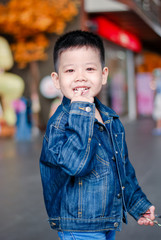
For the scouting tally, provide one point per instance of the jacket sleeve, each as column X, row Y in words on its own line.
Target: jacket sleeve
column 135, row 200
column 72, row 148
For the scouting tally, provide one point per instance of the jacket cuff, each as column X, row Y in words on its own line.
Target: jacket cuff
column 82, row 108
column 139, row 208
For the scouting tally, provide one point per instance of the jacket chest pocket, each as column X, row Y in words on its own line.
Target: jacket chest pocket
column 101, row 165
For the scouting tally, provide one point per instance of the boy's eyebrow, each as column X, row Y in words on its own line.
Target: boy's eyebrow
column 91, row 63
column 72, row 64
column 68, row 65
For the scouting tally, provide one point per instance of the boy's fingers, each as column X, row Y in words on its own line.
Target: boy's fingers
column 140, row 221
column 76, row 96
column 143, row 221
column 152, row 212
column 151, row 224
column 81, row 96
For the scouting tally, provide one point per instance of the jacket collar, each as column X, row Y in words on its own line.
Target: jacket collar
column 104, row 110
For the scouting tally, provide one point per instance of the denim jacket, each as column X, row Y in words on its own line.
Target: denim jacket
column 85, row 188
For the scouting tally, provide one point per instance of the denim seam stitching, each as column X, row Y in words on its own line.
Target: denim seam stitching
column 79, row 113
column 95, row 173
column 88, row 148
column 102, row 160
column 135, row 206
column 104, row 202
column 72, row 235
column 58, row 120
column 80, row 199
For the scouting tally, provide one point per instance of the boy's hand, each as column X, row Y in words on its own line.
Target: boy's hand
column 82, row 96
column 150, row 214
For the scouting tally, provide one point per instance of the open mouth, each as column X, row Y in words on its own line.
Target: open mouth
column 81, row 89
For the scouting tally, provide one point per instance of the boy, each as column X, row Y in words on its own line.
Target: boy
column 88, row 182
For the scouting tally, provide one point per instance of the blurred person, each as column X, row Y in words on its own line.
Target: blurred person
column 157, row 102
column 88, row 182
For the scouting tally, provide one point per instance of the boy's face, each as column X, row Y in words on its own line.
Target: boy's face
column 80, row 72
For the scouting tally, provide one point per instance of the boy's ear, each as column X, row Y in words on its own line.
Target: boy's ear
column 104, row 75
column 55, row 79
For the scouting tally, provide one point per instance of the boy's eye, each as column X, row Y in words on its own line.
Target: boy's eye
column 70, row 70
column 90, row 69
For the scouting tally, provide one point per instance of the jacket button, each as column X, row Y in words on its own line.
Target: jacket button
column 113, row 158
column 119, row 195
column 101, row 128
column 88, row 109
column 116, row 224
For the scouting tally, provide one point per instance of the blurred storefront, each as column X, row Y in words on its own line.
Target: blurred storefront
column 127, row 39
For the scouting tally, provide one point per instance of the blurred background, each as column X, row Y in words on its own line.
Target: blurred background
column 131, row 32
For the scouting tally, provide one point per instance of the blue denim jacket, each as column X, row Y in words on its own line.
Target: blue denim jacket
column 88, row 183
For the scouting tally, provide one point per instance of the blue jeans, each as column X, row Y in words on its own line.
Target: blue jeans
column 110, row 235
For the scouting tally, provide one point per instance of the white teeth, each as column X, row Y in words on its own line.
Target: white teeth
column 80, row 89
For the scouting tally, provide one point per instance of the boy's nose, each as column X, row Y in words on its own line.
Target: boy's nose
column 80, row 77
column 80, row 80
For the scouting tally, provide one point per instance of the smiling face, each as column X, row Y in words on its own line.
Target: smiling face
column 79, row 69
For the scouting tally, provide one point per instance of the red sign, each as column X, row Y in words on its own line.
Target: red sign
column 117, row 35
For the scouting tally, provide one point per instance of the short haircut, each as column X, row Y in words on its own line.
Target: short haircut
column 78, row 39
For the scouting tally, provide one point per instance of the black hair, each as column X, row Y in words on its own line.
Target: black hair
column 78, row 39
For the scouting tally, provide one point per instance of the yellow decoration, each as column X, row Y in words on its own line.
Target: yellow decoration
column 29, row 21
column 11, row 88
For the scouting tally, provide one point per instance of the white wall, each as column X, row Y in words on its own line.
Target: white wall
column 103, row 6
